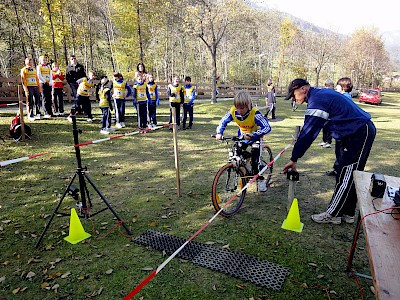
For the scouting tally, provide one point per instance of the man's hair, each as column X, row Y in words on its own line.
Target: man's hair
column 346, row 84
column 242, row 98
column 329, row 83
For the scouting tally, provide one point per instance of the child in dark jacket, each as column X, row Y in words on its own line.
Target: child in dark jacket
column 105, row 105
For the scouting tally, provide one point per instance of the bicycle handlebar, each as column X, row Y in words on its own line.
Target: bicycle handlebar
column 225, row 138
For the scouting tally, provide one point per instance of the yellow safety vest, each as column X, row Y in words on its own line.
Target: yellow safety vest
column 103, row 98
column 84, row 88
column 29, row 76
column 248, row 125
column 177, row 91
column 119, row 90
column 152, row 91
column 141, row 92
column 188, row 93
column 45, row 71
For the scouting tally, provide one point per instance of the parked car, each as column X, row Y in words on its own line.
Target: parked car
column 355, row 93
column 372, row 96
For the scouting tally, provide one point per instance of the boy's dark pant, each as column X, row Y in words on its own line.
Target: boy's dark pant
column 351, row 154
column 177, row 106
column 33, row 100
column 84, row 102
column 152, row 113
column 58, row 100
column 46, row 98
column 119, row 110
column 142, row 114
column 187, row 109
column 106, row 117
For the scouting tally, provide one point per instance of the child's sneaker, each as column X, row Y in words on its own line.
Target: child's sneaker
column 31, row 118
column 262, row 186
column 47, row 116
column 118, row 125
column 38, row 117
column 348, row 219
column 123, row 125
column 110, row 129
column 104, row 131
column 69, row 118
column 90, row 120
column 325, row 218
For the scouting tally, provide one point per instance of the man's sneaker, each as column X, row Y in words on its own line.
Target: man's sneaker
column 69, row 118
column 348, row 219
column 331, row 173
column 327, row 145
column 262, row 186
column 104, row 131
column 123, row 124
column 189, row 127
column 118, row 125
column 325, row 218
column 90, row 120
column 323, row 143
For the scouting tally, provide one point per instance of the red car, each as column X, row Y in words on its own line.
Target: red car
column 372, row 96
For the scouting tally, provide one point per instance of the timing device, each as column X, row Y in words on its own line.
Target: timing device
column 378, row 185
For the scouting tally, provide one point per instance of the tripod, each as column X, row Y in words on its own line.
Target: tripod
column 85, row 196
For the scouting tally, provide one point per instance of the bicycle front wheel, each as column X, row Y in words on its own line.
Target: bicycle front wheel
column 227, row 183
column 266, row 157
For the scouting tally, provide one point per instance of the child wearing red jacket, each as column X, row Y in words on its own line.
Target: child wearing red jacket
column 57, row 91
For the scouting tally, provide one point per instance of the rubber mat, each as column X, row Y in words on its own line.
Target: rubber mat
column 239, row 265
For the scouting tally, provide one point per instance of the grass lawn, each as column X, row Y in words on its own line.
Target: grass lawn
column 137, row 176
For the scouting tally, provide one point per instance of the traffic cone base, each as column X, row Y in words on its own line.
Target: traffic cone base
column 76, row 231
column 292, row 222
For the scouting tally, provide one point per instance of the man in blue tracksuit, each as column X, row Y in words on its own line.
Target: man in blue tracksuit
column 348, row 124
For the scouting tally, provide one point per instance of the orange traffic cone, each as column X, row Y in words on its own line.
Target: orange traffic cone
column 292, row 222
column 76, row 231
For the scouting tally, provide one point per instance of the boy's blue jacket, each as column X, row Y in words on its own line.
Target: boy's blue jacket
column 341, row 116
column 129, row 89
column 259, row 119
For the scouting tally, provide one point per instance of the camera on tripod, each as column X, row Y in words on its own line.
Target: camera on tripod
column 73, row 191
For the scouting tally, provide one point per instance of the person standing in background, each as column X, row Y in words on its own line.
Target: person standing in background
column 74, row 72
column 31, row 86
column 270, row 99
column 43, row 70
column 57, row 92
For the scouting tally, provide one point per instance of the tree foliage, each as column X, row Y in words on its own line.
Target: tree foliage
column 206, row 39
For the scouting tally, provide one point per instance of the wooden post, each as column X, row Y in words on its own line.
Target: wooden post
column 175, row 136
column 292, row 176
column 21, row 113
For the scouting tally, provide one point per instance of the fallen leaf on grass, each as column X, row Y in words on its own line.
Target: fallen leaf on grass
column 225, row 246
column 6, row 263
column 320, row 276
column 153, row 224
column 30, row 275
column 240, row 286
column 134, row 220
column 15, row 291
column 45, row 285
column 313, row 265
column 164, row 217
column 2, row 279
column 55, row 287
column 6, row 221
column 34, row 260
column 24, row 289
column 65, row 275
column 147, row 269
column 109, row 271
column 372, row 289
column 209, row 243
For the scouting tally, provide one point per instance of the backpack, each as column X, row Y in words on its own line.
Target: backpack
column 16, row 130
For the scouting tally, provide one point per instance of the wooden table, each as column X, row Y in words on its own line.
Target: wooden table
column 382, row 236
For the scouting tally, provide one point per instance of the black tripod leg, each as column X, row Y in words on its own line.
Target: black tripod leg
column 108, row 205
column 55, row 211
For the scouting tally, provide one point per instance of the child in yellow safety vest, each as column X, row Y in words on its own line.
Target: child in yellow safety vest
column 45, row 79
column 154, row 100
column 252, row 126
column 120, row 91
column 30, row 83
column 176, row 98
column 190, row 95
column 105, row 105
column 140, row 98
column 82, row 96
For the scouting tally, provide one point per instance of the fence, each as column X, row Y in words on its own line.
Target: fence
column 9, row 90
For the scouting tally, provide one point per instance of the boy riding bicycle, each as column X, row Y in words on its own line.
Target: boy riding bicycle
column 252, row 126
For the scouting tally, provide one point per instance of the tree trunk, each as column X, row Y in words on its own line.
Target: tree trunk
column 90, row 35
column 52, row 30
column 214, row 84
column 64, row 40
column 72, row 35
column 139, row 32
column 19, row 29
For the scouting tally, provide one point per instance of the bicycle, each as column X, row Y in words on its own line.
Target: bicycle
column 232, row 177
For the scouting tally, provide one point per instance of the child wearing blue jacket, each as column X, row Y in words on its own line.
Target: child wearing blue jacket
column 190, row 94
column 154, row 101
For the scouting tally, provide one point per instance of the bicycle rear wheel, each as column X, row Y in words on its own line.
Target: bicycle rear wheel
column 227, row 183
column 266, row 157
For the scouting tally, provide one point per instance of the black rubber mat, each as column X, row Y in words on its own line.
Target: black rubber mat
column 246, row 267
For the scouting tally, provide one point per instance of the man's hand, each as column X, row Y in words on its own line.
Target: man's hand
column 218, row 137
column 290, row 165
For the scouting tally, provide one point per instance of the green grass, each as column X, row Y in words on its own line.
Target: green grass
column 137, row 176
